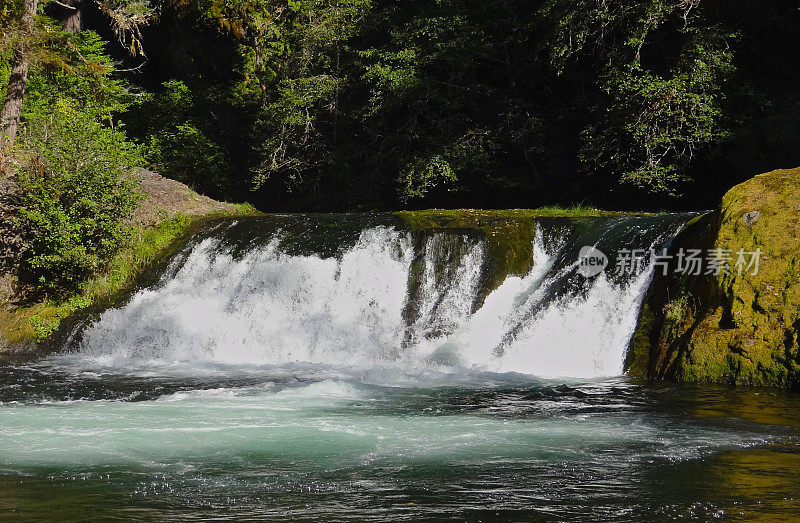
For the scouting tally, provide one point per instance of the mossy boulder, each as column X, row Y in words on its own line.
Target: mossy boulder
column 738, row 326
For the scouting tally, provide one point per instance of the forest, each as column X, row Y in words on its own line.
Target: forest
column 361, row 105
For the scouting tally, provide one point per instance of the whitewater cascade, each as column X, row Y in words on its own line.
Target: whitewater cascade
column 259, row 294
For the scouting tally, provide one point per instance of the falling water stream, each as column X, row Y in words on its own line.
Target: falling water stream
column 348, row 367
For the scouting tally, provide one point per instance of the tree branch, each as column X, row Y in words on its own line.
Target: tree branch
column 65, row 5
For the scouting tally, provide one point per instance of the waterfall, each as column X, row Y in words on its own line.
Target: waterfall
column 366, row 293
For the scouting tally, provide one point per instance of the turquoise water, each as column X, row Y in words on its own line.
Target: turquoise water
column 418, row 399
column 307, row 441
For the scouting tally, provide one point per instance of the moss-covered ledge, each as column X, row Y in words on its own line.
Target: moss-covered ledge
column 509, row 232
column 170, row 214
column 731, row 328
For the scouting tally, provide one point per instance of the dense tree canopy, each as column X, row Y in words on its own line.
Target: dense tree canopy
column 365, row 104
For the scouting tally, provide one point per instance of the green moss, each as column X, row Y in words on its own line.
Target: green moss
column 696, row 220
column 509, row 233
column 147, row 247
column 469, row 218
column 733, row 328
column 638, row 357
column 245, row 209
column 44, row 325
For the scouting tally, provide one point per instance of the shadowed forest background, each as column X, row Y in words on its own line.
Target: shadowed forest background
column 323, row 105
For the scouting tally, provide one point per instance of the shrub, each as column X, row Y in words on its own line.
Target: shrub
column 76, row 195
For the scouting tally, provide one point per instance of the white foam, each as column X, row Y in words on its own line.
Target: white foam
column 268, row 307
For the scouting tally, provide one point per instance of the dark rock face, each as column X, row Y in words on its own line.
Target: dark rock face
column 11, row 244
column 11, row 248
column 741, row 325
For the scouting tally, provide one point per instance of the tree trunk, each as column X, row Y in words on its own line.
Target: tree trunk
column 16, row 89
column 72, row 19
column 10, row 115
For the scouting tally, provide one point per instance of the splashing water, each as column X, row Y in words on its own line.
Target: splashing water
column 264, row 305
column 345, row 368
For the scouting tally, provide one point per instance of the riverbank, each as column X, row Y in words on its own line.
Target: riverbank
column 170, row 213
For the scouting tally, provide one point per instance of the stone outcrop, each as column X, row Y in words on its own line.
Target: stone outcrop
column 740, row 326
column 165, row 197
